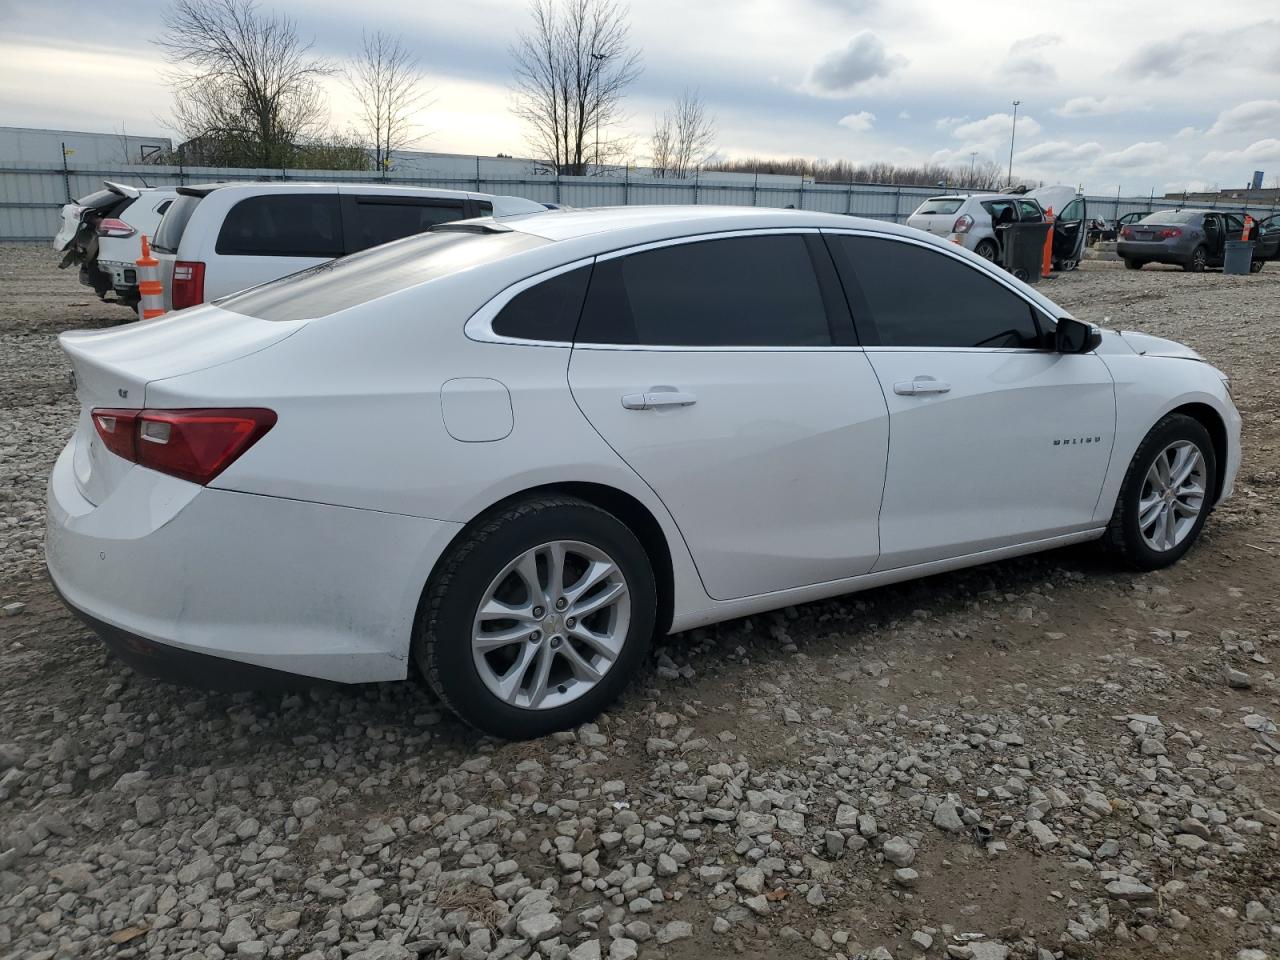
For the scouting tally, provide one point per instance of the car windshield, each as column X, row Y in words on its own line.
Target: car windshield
column 1172, row 216
column 339, row 284
column 940, row 205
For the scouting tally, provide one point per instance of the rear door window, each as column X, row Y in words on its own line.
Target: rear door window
column 1029, row 210
column 758, row 291
column 169, row 233
column 378, row 220
column 908, row 295
column 283, row 225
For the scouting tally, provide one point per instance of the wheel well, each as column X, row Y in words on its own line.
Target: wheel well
column 1209, row 419
column 631, row 512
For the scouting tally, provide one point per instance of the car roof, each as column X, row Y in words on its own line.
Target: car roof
column 634, row 223
column 295, row 186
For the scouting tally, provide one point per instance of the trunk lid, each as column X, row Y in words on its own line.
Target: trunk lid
column 937, row 215
column 112, row 367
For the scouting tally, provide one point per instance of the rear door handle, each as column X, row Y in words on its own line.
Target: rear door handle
column 658, row 398
column 919, row 385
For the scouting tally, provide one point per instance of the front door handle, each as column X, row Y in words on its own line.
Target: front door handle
column 658, row 398
column 910, row 388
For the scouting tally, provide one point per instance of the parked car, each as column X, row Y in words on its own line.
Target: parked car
column 219, row 238
column 973, row 221
column 102, row 235
column 1193, row 239
column 509, row 453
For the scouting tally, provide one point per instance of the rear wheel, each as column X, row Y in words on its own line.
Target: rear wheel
column 1165, row 497
column 537, row 617
column 1199, row 260
column 1130, row 264
column 987, row 250
column 1256, row 266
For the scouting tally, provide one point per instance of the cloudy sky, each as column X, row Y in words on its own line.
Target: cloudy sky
column 1137, row 95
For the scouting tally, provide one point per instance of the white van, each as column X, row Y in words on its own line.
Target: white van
column 222, row 237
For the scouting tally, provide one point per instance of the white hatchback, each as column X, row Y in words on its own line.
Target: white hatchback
column 511, row 452
column 220, row 238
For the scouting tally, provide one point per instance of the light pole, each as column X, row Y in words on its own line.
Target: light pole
column 973, row 158
column 599, row 58
column 1013, row 133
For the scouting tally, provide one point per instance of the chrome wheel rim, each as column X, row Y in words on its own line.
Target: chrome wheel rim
column 1172, row 496
column 551, row 624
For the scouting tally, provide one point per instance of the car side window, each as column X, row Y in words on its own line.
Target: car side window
column 546, row 311
column 283, row 225
column 907, row 295
column 1029, row 210
column 758, row 291
column 1072, row 212
column 379, row 221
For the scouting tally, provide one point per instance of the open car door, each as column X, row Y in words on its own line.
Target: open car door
column 1069, row 223
column 1266, row 233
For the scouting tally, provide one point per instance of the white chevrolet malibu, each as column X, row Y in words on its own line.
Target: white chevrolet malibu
column 511, row 452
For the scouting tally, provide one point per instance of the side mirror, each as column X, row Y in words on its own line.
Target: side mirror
column 1076, row 336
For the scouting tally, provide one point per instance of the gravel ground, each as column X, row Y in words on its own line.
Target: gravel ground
column 1037, row 759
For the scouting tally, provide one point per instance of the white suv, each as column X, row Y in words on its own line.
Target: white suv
column 220, row 238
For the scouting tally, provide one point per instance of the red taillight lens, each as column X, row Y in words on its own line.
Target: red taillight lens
column 1168, row 233
column 188, row 283
column 1126, row 232
column 962, row 224
column 111, row 227
column 194, row 445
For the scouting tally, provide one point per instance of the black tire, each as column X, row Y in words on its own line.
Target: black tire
column 988, row 250
column 1123, row 535
column 1256, row 266
column 1199, row 260
column 1130, row 264
column 442, row 634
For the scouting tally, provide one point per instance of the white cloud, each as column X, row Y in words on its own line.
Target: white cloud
column 904, row 115
column 997, row 126
column 1099, row 106
column 1235, row 48
column 1260, row 151
column 1029, row 61
column 1145, row 154
column 946, row 123
column 858, row 122
column 1059, row 151
column 1252, row 116
column 843, row 71
column 1186, row 133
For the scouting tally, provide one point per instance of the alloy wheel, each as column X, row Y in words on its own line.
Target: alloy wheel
column 551, row 624
column 1172, row 496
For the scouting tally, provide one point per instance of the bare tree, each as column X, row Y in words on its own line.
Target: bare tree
column 389, row 86
column 571, row 71
column 245, row 83
column 684, row 137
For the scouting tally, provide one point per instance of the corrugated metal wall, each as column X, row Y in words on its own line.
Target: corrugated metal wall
column 31, row 194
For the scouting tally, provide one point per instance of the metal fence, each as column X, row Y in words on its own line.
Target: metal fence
column 31, row 194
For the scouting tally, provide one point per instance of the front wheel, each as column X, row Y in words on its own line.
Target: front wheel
column 1166, row 494
column 987, row 250
column 1255, row 266
column 1199, row 260
column 537, row 617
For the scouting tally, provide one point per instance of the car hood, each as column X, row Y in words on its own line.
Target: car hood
column 1148, row 346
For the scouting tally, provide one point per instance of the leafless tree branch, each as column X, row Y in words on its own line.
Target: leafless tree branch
column 387, row 82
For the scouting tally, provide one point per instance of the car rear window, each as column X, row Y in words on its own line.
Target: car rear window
column 940, row 205
column 1172, row 216
column 283, row 225
column 337, row 285
column 380, row 220
column 169, row 233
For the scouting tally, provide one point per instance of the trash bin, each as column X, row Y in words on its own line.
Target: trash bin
column 1023, row 245
column 1238, row 256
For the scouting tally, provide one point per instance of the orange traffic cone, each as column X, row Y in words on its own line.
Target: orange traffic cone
column 150, row 289
column 1248, row 227
column 1047, row 267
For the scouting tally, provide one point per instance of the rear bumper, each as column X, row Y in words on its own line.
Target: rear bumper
column 169, row 571
column 1152, row 252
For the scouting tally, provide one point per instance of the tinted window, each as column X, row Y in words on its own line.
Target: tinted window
column 484, row 208
column 912, row 296
column 169, row 233
column 739, row 291
column 329, row 287
column 378, row 221
column 941, row 205
column 283, row 225
column 163, row 207
column 546, row 311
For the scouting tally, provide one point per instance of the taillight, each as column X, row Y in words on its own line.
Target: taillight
column 962, row 224
column 187, row 288
column 1168, row 233
column 194, row 445
column 111, row 227
column 1126, row 232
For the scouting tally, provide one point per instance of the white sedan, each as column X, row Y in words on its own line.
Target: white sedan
column 509, row 452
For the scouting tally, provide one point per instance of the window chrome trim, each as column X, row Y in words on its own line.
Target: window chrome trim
column 985, row 268
column 699, row 237
column 480, row 325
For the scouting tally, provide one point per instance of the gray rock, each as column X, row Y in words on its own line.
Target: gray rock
column 898, row 851
column 1126, row 888
column 673, row 931
column 362, row 906
column 538, row 927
